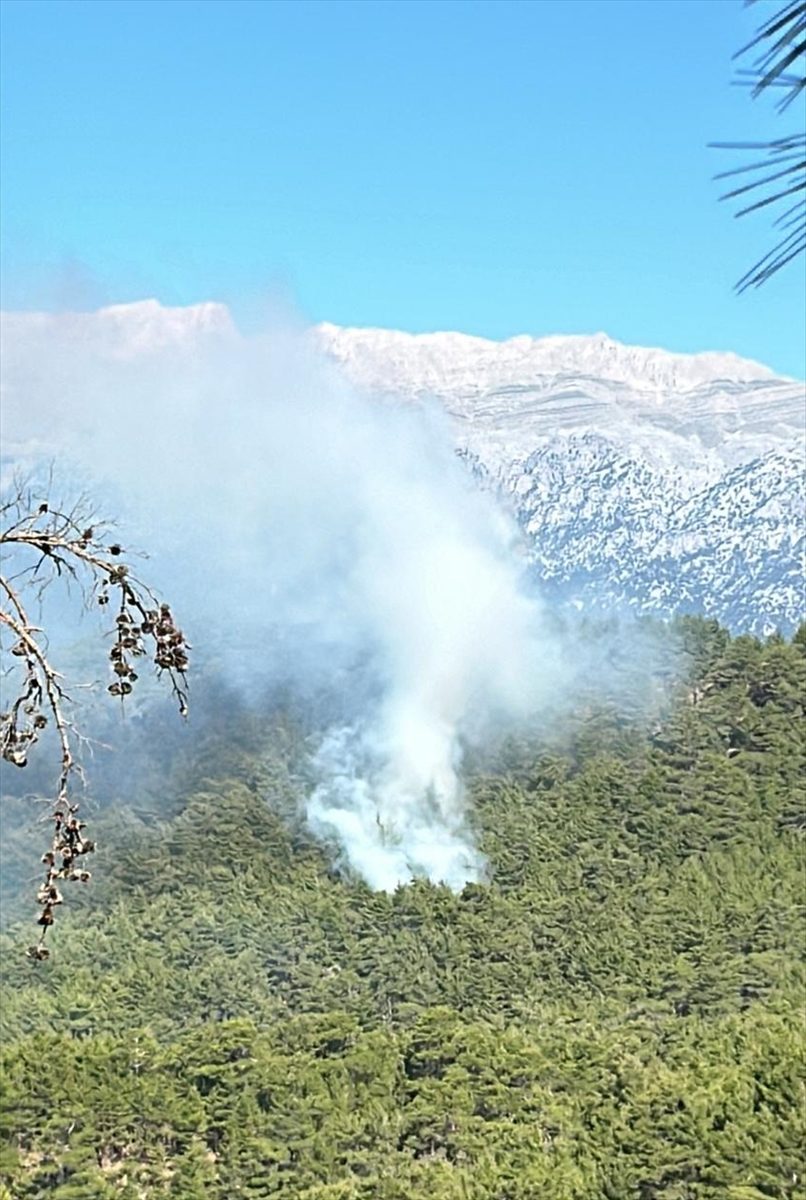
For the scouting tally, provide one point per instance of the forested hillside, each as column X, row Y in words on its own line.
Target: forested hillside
column 618, row 1013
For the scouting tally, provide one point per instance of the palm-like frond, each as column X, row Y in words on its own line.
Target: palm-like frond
column 783, row 37
column 779, row 175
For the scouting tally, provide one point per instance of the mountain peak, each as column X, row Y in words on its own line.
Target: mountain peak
column 456, row 363
column 125, row 330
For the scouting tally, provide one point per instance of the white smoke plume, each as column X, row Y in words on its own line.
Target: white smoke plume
column 310, row 533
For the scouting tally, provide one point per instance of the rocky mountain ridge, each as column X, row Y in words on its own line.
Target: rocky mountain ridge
column 640, row 478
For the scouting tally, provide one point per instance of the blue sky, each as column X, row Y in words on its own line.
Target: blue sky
column 497, row 168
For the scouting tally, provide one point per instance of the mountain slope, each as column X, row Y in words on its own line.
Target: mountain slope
column 642, row 479
column 660, row 482
column 507, row 396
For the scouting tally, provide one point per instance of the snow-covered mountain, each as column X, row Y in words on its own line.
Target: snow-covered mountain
column 640, row 478
column 508, row 397
column 656, row 481
column 120, row 330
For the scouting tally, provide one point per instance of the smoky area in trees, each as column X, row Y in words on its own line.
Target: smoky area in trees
column 45, row 547
column 615, row 1012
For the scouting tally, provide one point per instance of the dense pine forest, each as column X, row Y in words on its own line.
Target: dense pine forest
column 617, row 1014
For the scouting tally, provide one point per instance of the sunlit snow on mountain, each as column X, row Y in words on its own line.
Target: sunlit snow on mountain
column 658, row 482
column 643, row 479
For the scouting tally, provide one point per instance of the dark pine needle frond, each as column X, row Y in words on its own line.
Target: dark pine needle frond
column 780, row 42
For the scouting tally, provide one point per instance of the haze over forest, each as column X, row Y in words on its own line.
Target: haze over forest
column 439, row 865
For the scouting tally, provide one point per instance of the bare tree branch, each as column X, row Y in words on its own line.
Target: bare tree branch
column 45, row 544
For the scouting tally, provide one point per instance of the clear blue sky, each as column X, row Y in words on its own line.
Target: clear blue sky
column 497, row 168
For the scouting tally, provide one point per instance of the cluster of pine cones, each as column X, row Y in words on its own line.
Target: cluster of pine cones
column 60, row 862
column 16, row 739
column 170, row 646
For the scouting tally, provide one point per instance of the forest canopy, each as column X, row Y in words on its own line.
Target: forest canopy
column 616, row 1012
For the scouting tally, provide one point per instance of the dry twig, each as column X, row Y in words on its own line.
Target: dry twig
column 41, row 544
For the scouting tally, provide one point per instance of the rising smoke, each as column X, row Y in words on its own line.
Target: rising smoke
column 308, row 534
